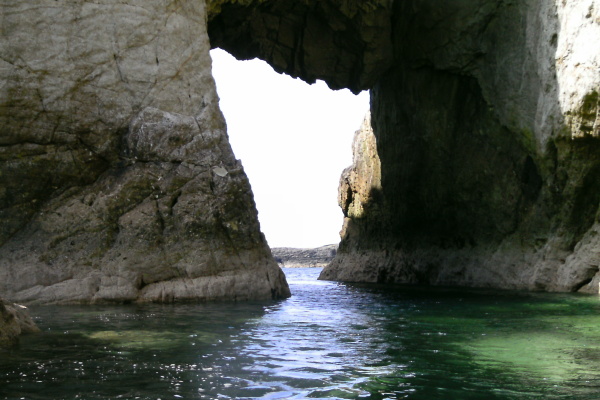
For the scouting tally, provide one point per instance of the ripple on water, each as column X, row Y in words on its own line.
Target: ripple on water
column 328, row 340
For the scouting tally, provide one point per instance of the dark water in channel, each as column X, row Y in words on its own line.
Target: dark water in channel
column 329, row 340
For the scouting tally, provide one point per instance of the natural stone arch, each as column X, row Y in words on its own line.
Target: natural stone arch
column 481, row 131
column 485, row 115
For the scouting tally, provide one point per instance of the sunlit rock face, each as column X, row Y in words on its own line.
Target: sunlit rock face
column 117, row 181
column 486, row 122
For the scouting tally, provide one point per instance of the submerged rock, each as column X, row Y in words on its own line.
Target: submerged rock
column 117, row 181
column 14, row 321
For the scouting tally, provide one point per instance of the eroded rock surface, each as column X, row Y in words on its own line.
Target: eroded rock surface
column 345, row 43
column 117, row 181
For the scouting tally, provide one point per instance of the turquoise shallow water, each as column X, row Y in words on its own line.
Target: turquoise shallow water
column 329, row 340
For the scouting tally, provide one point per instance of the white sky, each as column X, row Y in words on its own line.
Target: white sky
column 294, row 140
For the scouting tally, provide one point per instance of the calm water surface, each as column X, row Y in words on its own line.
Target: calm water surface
column 329, row 341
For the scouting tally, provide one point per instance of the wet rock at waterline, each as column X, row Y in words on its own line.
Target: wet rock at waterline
column 14, row 321
column 117, row 181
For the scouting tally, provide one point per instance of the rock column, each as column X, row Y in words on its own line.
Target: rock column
column 117, row 181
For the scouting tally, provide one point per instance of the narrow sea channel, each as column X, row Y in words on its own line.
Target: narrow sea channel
column 329, row 340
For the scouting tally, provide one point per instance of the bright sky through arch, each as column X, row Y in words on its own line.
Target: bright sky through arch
column 294, row 140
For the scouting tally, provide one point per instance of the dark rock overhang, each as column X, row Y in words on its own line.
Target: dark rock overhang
column 348, row 44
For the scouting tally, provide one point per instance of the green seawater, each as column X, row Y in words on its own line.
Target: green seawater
column 329, row 340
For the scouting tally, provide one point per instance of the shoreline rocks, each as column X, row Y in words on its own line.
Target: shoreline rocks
column 290, row 257
column 118, row 184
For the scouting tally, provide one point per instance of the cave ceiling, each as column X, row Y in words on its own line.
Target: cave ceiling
column 345, row 43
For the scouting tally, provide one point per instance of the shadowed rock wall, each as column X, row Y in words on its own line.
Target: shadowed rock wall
column 487, row 179
column 486, row 123
column 345, row 43
column 117, row 181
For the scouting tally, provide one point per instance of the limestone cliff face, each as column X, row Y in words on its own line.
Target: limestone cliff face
column 117, row 181
column 486, row 121
column 360, row 197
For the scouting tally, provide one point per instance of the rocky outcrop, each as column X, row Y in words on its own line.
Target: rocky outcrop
column 360, row 197
column 359, row 191
column 117, row 181
column 14, row 321
column 486, row 118
column 290, row 257
column 487, row 133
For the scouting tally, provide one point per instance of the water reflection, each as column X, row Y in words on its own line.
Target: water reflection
column 328, row 340
column 317, row 344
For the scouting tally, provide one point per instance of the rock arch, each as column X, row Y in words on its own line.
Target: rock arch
column 485, row 116
column 486, row 126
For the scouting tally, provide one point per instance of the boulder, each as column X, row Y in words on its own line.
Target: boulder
column 14, row 321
